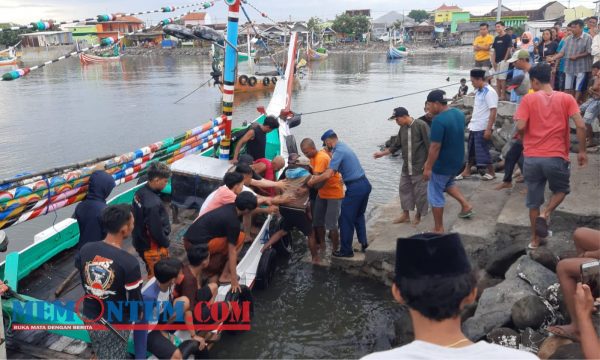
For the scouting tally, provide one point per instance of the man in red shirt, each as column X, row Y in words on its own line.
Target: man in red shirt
column 543, row 120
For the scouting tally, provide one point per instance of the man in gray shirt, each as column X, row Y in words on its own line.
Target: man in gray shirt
column 578, row 59
column 413, row 140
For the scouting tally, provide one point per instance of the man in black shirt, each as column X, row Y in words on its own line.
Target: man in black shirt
column 88, row 212
column 502, row 51
column 255, row 139
column 152, row 224
column 112, row 275
column 221, row 230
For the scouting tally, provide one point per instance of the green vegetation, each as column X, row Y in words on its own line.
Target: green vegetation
column 351, row 25
column 418, row 15
column 315, row 25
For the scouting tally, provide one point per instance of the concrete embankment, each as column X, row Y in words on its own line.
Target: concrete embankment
column 519, row 292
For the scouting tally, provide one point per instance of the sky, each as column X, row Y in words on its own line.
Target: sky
column 26, row 11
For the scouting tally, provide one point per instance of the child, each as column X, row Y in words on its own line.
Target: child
column 462, row 89
column 413, row 189
column 591, row 109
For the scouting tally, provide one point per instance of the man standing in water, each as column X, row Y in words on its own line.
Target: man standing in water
column 152, row 225
column 434, row 279
column 445, row 159
column 358, row 188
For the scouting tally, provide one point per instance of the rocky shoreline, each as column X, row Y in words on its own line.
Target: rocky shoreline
column 519, row 295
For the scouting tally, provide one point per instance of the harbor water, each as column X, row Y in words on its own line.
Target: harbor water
column 67, row 113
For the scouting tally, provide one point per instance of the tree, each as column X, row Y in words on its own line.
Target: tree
column 343, row 24
column 361, row 24
column 418, row 15
column 314, row 24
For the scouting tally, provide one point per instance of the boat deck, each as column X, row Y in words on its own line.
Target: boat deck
column 42, row 284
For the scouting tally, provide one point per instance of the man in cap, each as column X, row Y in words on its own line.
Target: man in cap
column 445, row 159
column 520, row 82
column 358, row 188
column 481, row 126
column 434, row 279
column 413, row 141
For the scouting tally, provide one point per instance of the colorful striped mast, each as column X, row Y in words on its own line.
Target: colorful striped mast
column 229, row 73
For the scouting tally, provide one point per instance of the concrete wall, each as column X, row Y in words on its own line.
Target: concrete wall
column 41, row 54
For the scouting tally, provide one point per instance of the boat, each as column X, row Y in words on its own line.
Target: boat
column 259, row 82
column 243, row 56
column 104, row 57
column 316, row 55
column 10, row 58
column 34, row 272
column 395, row 53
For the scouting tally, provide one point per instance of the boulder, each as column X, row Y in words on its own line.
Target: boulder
column 504, row 336
column 550, row 345
column 495, row 305
column 544, row 256
column 498, row 141
column 531, row 340
column 502, row 260
column 569, row 351
column 468, row 311
column 530, row 312
column 485, row 281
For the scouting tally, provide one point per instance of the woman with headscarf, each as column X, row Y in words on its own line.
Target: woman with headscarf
column 527, row 44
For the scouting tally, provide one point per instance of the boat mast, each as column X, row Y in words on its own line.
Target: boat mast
column 229, row 73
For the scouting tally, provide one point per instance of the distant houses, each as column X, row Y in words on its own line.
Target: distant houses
column 196, row 18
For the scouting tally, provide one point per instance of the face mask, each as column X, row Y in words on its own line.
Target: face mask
column 525, row 41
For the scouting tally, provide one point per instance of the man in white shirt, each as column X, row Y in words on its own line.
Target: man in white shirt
column 434, row 279
column 481, row 126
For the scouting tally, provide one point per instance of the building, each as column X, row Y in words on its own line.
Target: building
column 537, row 27
column 381, row 25
column 145, row 39
column 421, row 33
column 444, row 13
column 329, row 35
column 46, row 38
column 469, row 31
column 459, row 17
column 551, row 11
column 119, row 27
column 197, row 18
column 578, row 12
column 366, row 13
column 83, row 34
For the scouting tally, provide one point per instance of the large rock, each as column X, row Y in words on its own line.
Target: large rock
column 468, row 311
column 495, row 304
column 550, row 345
column 530, row 312
column 502, row 260
column 569, row 351
column 545, row 256
column 504, row 336
column 531, row 340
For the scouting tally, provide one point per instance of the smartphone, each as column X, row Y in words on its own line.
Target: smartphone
column 590, row 275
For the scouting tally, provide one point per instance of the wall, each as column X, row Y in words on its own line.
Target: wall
column 41, row 54
column 443, row 16
column 554, row 11
column 578, row 12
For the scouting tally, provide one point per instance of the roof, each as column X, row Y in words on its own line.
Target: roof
column 144, row 34
column 445, row 7
column 198, row 16
column 391, row 17
column 131, row 19
column 543, row 8
column 474, row 26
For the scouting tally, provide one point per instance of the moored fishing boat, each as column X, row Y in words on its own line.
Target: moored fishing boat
column 395, row 53
column 95, row 59
column 37, row 269
column 316, row 55
column 8, row 57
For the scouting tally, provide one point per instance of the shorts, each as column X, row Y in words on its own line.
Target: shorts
column 483, row 64
column 590, row 110
column 326, row 213
column 501, row 70
column 478, row 149
column 436, row 187
column 578, row 79
column 537, row 171
column 159, row 345
column 107, row 345
column 295, row 218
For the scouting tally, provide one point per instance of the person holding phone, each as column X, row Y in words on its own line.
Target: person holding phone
column 584, row 307
column 587, row 243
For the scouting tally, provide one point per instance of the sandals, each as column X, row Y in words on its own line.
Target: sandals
column 466, row 214
column 460, row 177
column 488, row 177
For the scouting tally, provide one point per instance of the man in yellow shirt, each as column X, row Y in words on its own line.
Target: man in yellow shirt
column 482, row 45
column 328, row 204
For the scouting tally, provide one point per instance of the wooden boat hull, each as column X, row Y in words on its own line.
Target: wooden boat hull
column 10, row 61
column 394, row 53
column 313, row 55
column 259, row 86
column 87, row 59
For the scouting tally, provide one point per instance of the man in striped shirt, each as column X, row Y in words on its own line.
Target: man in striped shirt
column 578, row 59
column 413, row 141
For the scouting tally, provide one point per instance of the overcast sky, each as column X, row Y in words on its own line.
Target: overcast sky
column 26, row 11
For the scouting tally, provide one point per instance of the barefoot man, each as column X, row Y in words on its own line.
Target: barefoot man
column 445, row 159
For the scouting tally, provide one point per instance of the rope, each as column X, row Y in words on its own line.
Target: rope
column 376, row 101
column 100, row 18
column 266, row 46
column 260, row 12
column 193, row 91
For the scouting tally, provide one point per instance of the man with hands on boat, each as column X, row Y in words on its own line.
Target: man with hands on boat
column 255, row 139
column 152, row 224
column 220, row 229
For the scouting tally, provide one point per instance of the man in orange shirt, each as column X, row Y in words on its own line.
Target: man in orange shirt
column 543, row 121
column 482, row 45
column 328, row 203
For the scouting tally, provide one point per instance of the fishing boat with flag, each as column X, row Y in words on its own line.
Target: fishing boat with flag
column 43, row 271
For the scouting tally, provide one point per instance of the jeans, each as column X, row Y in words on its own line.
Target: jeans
column 352, row 215
column 513, row 157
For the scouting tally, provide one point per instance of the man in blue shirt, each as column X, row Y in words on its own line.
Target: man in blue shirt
column 445, row 159
column 358, row 188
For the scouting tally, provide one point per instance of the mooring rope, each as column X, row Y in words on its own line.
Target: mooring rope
column 193, row 91
column 376, row 101
column 46, row 25
column 263, row 14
